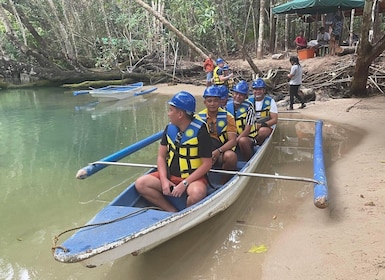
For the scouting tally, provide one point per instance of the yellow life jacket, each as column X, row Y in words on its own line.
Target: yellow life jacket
column 216, row 79
column 221, row 123
column 229, row 83
column 240, row 116
column 184, row 149
column 265, row 110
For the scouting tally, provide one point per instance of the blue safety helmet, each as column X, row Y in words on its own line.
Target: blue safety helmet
column 242, row 87
column 185, row 101
column 211, row 91
column 226, row 67
column 224, row 91
column 220, row 60
column 258, row 83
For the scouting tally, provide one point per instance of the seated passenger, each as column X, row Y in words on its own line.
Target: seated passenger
column 222, row 130
column 266, row 111
column 243, row 111
column 224, row 91
column 184, row 157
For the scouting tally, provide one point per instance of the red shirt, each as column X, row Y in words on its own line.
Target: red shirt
column 301, row 41
column 208, row 65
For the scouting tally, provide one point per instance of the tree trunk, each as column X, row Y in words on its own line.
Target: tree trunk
column 261, row 28
column 272, row 27
column 366, row 54
column 172, row 28
column 351, row 29
column 286, row 33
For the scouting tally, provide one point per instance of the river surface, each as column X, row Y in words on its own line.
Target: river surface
column 47, row 135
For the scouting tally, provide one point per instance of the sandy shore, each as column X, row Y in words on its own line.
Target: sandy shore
column 344, row 241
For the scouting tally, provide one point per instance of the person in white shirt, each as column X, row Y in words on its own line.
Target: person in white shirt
column 266, row 111
column 323, row 39
column 295, row 82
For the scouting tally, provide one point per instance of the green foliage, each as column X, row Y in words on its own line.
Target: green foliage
column 109, row 32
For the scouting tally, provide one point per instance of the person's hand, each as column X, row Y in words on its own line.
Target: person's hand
column 178, row 190
column 215, row 155
column 167, row 187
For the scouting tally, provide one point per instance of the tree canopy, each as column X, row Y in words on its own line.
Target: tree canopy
column 55, row 37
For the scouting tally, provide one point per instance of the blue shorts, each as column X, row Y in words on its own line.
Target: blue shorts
column 209, row 76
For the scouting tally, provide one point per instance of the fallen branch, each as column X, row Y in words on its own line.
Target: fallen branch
column 350, row 107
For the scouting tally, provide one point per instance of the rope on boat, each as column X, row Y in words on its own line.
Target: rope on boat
column 56, row 237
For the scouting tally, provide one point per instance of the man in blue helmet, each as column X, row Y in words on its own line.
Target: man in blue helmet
column 224, row 91
column 222, row 129
column 218, row 74
column 229, row 83
column 184, row 157
column 266, row 111
column 243, row 111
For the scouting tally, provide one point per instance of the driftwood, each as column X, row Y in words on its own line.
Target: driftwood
column 333, row 82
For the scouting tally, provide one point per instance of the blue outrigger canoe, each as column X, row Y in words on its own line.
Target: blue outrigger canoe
column 131, row 225
column 115, row 92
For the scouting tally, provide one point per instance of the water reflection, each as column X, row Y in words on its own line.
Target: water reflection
column 99, row 109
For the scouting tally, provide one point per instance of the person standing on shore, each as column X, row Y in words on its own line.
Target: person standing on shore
column 229, row 83
column 218, row 75
column 208, row 66
column 295, row 82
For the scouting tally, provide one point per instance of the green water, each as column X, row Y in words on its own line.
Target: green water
column 46, row 135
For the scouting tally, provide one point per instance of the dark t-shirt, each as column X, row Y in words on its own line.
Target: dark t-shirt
column 204, row 148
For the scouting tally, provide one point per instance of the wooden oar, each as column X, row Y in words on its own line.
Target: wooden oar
column 260, row 175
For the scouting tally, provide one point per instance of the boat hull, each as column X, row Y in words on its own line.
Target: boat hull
column 142, row 229
column 111, row 89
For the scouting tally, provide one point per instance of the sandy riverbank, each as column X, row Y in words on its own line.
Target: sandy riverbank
column 344, row 241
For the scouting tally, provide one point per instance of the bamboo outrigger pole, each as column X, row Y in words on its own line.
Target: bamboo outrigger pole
column 260, row 175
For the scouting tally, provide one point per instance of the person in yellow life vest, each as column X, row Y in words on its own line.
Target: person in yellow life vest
column 243, row 111
column 229, row 83
column 266, row 111
column 222, row 129
column 184, row 157
column 218, row 75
